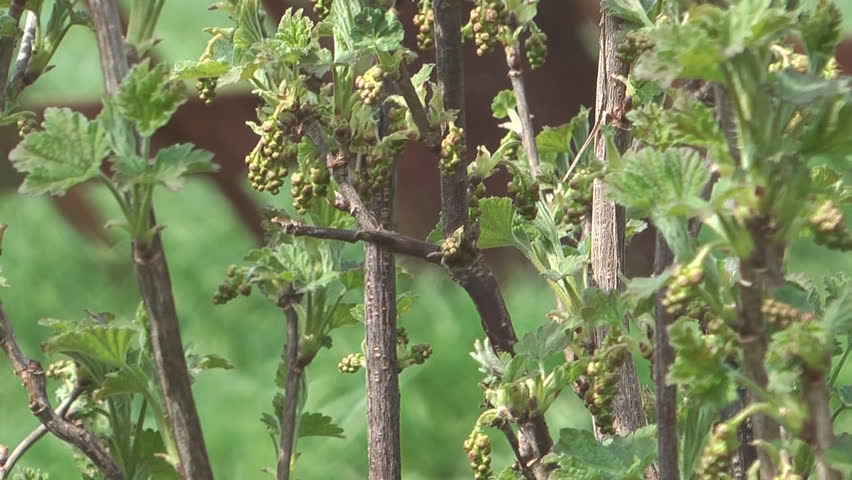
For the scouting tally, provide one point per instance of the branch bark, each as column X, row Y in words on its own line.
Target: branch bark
column 764, row 259
column 8, row 463
column 819, row 430
column 387, row 240
column 33, row 378
column 667, row 440
column 7, row 48
column 155, row 286
column 383, row 436
column 295, row 369
column 608, row 219
column 516, row 76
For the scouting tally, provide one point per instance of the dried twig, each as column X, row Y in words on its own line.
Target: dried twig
column 516, row 75
column 33, row 378
column 666, row 398
column 7, row 47
column 25, row 54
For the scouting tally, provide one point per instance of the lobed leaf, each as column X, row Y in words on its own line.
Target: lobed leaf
column 148, row 97
column 377, row 29
column 318, row 425
column 68, row 151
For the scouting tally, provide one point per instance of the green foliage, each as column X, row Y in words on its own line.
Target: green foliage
column 168, row 169
column 67, row 151
column 697, row 354
column 496, row 222
column 631, row 10
column 377, row 29
column 581, row 457
column 148, row 98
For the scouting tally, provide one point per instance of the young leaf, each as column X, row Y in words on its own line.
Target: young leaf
column 104, row 343
column 503, row 103
column 377, row 29
column 837, row 318
column 630, row 10
column 694, row 358
column 318, row 425
column 294, row 36
column 580, row 456
column 148, row 98
column 548, row 339
column 838, row 454
column 496, row 222
column 69, row 150
column 170, row 167
column 694, row 429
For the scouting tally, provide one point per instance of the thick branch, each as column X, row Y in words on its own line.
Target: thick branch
column 7, row 48
column 295, row 369
column 155, row 286
column 448, row 60
column 753, row 332
column 32, row 377
column 383, row 414
column 516, row 75
column 819, row 430
column 7, row 464
column 608, row 219
column 667, row 440
column 387, row 240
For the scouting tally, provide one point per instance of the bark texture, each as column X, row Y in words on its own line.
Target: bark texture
column 608, row 219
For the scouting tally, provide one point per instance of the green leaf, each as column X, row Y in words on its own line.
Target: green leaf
column 693, row 431
column 69, row 150
column 603, row 308
column 318, row 425
column 629, row 10
column 249, row 31
column 546, row 340
column 271, row 424
column 838, row 453
column 837, row 318
column 503, row 103
column 130, row 379
column 294, row 38
column 207, row 68
column 665, row 183
column 640, row 288
column 377, row 29
column 148, row 97
column 580, row 456
column 170, row 167
column 844, row 393
column 208, row 362
column 496, row 222
column 694, row 358
column 105, row 343
column 122, row 139
column 8, row 26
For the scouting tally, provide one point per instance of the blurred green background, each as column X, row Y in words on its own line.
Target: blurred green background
column 55, row 272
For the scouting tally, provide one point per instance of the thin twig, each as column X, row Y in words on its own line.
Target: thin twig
column 33, row 378
column 388, row 240
column 295, row 369
column 516, row 76
column 7, row 47
column 819, row 428
column 8, row 464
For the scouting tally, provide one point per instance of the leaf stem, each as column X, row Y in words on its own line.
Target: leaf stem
column 122, row 202
column 840, row 363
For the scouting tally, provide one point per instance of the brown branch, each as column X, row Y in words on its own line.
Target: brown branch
column 608, row 219
column 8, row 463
column 380, row 319
column 516, row 75
column 155, row 286
column 33, row 378
column 7, row 47
column 819, row 429
column 752, row 330
column 295, row 369
column 388, row 240
column 664, row 354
